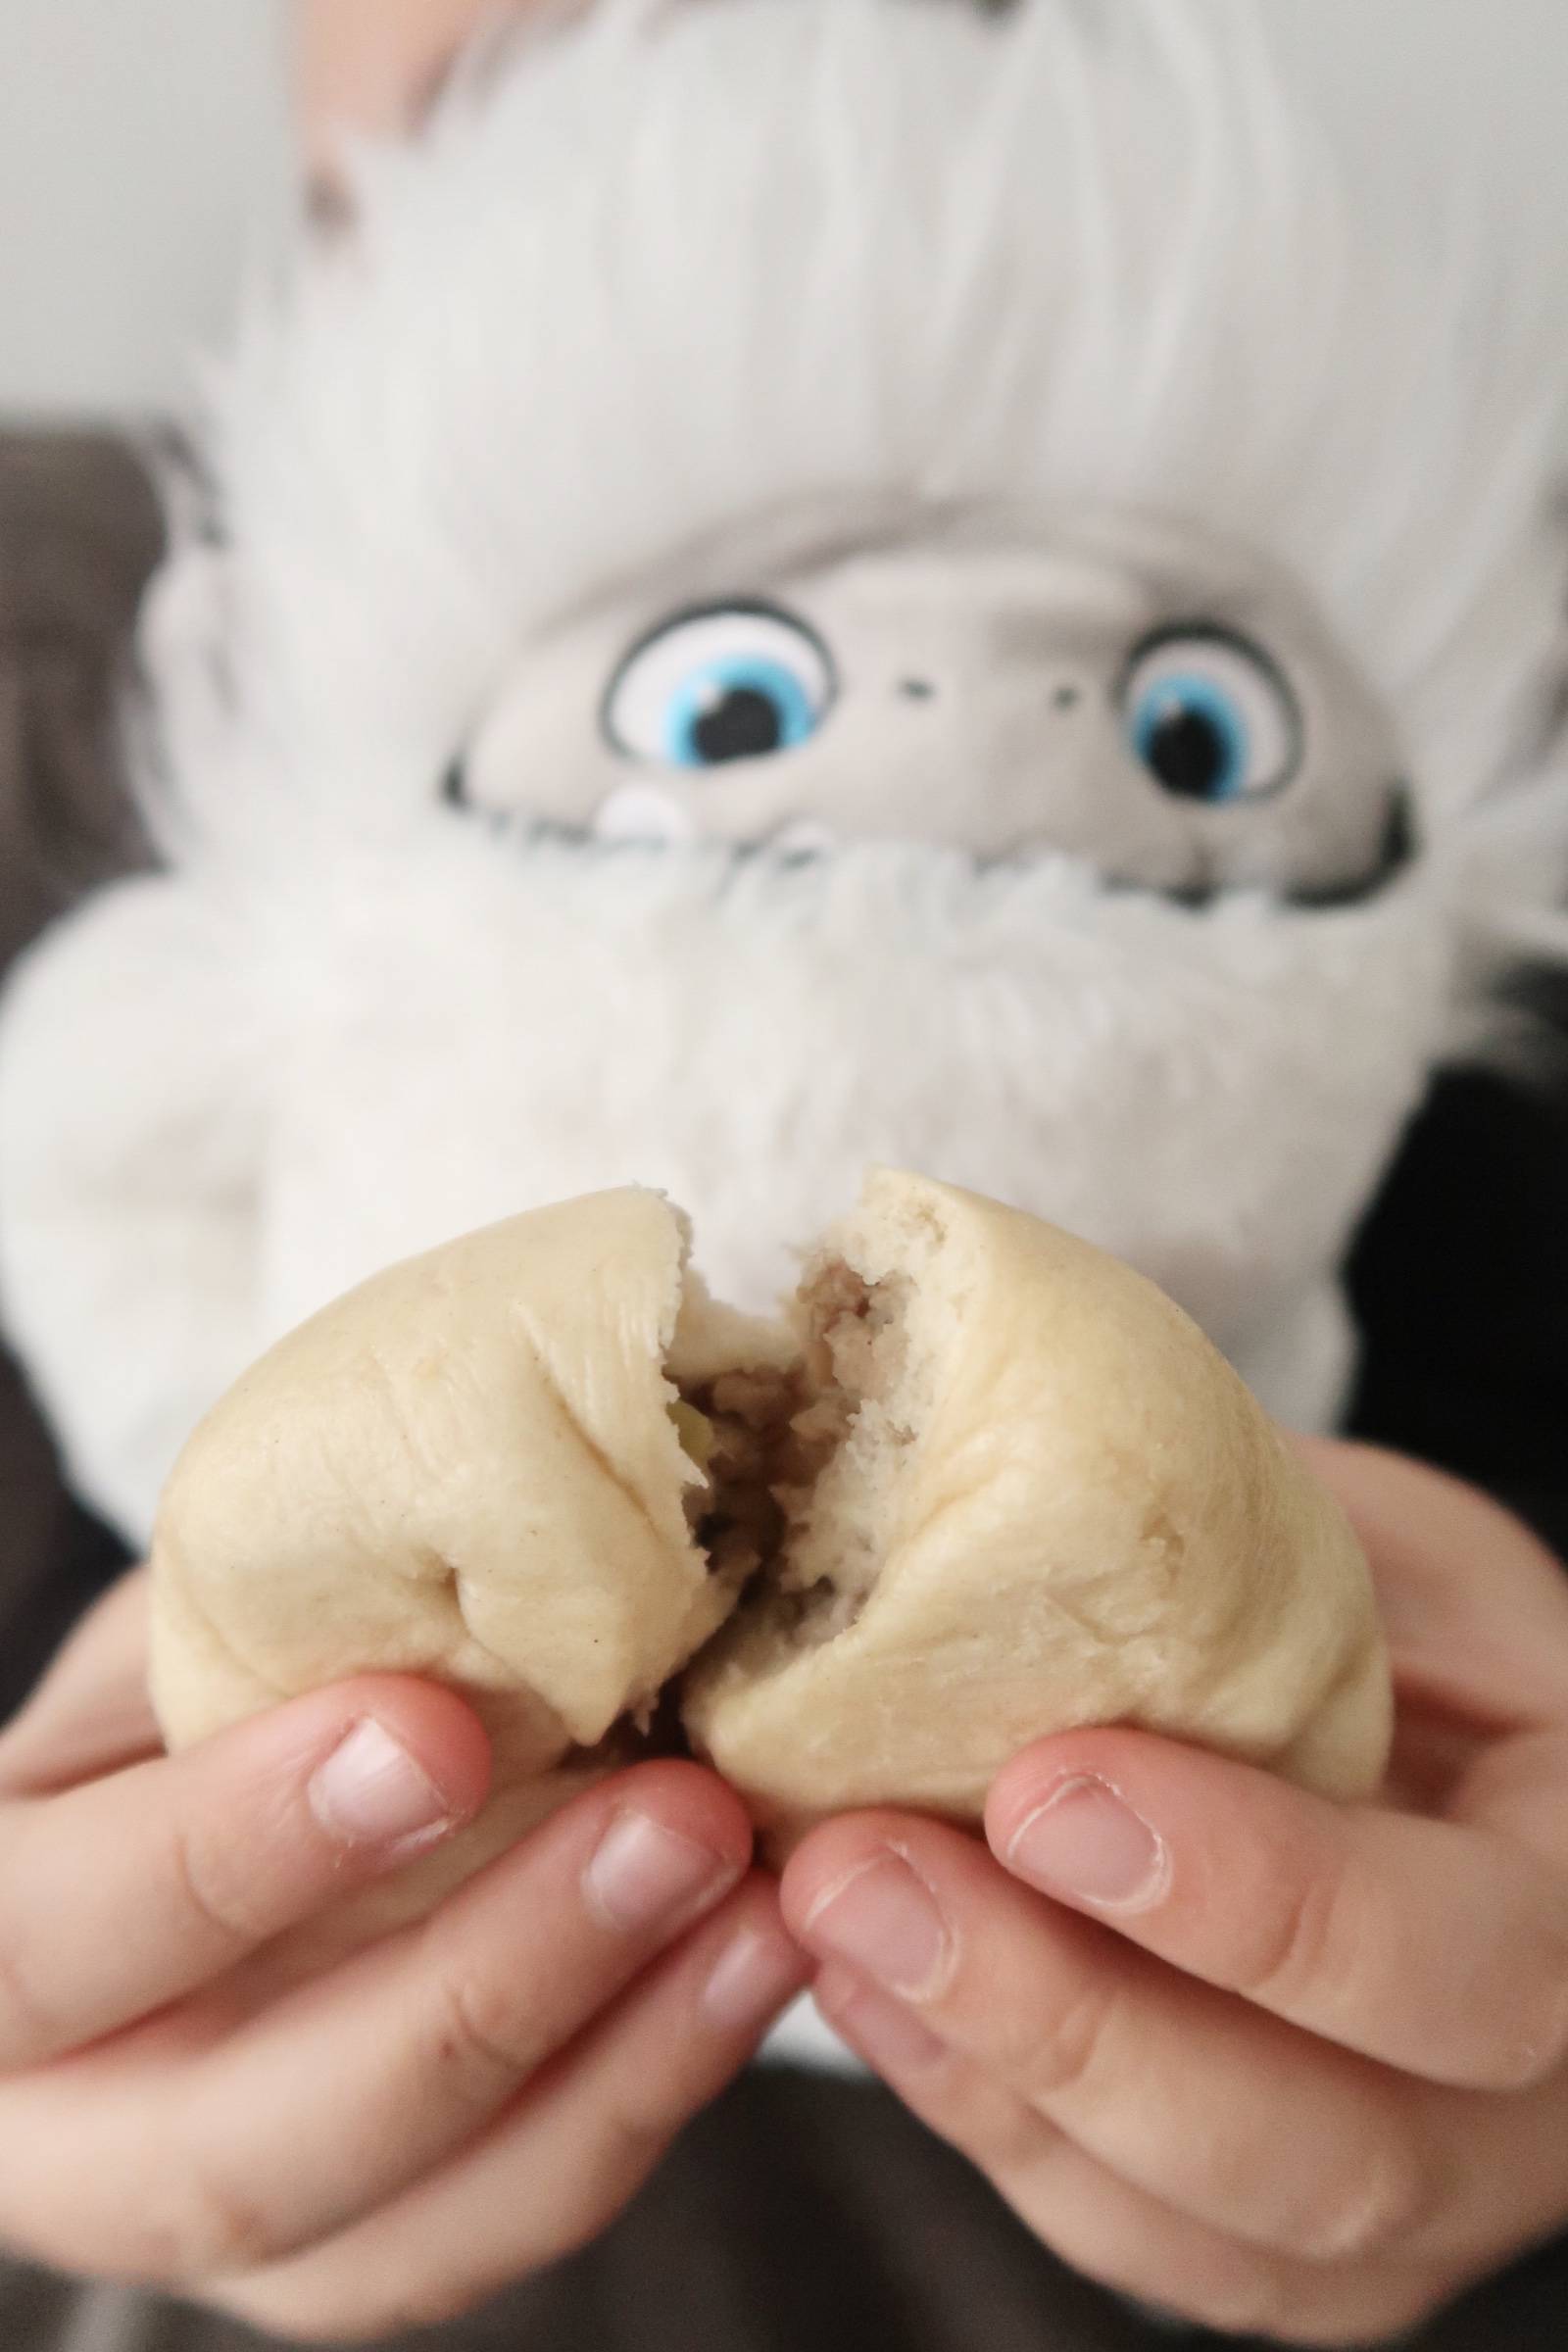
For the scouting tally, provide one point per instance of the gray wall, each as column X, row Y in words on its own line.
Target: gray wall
column 143, row 156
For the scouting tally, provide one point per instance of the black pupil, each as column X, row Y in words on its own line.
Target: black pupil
column 744, row 724
column 1189, row 754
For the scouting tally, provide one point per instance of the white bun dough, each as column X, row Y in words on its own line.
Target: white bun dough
column 1055, row 1506
column 466, row 1469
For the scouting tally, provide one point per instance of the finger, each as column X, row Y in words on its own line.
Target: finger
column 122, row 1895
column 1119, row 2235
column 1514, row 2176
column 1431, row 1946
column 1475, row 1606
column 561, row 2162
column 92, row 1713
column 1231, row 2115
column 358, row 2083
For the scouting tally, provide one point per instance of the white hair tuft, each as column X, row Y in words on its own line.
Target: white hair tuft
column 672, row 266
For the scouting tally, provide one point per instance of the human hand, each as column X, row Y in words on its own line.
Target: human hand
column 1280, row 2067
column 405, row 2132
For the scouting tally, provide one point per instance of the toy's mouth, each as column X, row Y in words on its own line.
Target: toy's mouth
column 796, row 846
column 1398, row 849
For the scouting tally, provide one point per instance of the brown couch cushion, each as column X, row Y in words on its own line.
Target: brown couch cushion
column 79, row 531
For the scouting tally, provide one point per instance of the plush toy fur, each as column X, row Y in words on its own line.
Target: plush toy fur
column 651, row 296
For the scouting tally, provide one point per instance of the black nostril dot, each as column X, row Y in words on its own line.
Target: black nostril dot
column 917, row 690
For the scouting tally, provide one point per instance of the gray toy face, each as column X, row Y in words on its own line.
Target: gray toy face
column 1159, row 704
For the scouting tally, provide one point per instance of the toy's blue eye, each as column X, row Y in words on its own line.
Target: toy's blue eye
column 1211, row 717
column 731, row 682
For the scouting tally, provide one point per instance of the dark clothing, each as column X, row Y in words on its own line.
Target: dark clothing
column 79, row 530
column 798, row 2215
column 1460, row 1285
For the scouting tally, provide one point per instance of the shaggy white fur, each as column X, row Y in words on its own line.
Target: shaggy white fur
column 641, row 282
column 685, row 263
column 268, row 1102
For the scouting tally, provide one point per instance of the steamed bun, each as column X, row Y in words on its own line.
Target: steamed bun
column 981, row 1484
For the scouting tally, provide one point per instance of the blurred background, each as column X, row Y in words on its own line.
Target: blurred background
column 145, row 160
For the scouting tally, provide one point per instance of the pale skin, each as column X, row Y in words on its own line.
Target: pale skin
column 396, row 2136
column 1294, row 2068
column 1287, row 2069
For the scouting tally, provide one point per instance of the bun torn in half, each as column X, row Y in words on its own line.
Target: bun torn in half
column 982, row 1484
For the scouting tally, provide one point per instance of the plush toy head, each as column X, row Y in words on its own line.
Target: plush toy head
column 818, row 582
column 1123, row 688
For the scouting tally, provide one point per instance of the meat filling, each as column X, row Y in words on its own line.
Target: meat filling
column 765, row 1437
column 742, row 1427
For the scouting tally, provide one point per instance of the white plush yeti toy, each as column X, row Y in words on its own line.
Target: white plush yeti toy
column 814, row 581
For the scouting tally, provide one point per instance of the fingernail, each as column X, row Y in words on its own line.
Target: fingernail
column 884, row 1921
column 370, row 1792
column 887, row 2036
column 755, row 1977
column 644, row 1876
column 1085, row 1842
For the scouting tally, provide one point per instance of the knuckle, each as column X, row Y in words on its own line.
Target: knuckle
column 204, row 2229
column 1379, row 2213
column 216, row 1888
column 1053, row 2062
column 482, row 2043
column 1293, row 1941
